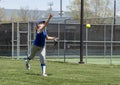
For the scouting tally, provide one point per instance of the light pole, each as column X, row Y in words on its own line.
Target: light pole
column 61, row 11
column 81, row 31
column 114, row 12
column 50, row 4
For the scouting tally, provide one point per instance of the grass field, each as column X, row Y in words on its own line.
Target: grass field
column 91, row 60
column 13, row 72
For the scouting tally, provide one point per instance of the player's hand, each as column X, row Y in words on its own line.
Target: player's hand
column 56, row 39
column 51, row 15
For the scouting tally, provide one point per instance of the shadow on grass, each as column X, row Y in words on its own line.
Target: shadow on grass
column 36, row 74
column 62, row 62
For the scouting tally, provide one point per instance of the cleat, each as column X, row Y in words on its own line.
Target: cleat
column 27, row 64
column 44, row 75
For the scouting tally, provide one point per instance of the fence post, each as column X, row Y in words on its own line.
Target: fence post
column 12, row 39
column 18, row 41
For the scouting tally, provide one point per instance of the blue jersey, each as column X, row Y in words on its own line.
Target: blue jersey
column 40, row 39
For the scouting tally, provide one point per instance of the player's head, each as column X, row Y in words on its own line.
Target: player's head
column 40, row 23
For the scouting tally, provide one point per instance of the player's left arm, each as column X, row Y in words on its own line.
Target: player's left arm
column 51, row 38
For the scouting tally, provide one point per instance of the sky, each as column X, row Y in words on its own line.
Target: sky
column 39, row 4
column 33, row 4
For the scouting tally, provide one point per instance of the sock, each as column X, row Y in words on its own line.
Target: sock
column 28, row 58
column 43, row 69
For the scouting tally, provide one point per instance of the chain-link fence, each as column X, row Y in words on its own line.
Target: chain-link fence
column 99, row 41
column 5, row 39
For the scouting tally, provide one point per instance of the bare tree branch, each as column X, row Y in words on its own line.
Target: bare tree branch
column 2, row 14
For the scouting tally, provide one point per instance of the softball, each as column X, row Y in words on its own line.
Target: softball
column 88, row 26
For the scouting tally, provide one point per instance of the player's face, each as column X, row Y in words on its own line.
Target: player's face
column 41, row 25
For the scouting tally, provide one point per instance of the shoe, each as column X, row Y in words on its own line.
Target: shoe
column 27, row 64
column 44, row 75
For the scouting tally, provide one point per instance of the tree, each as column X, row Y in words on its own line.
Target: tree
column 14, row 17
column 2, row 14
column 94, row 10
column 35, row 15
column 101, row 10
column 24, row 14
column 74, row 8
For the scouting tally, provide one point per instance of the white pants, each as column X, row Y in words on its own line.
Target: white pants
column 41, row 51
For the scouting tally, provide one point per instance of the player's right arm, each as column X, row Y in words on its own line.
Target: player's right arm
column 45, row 24
column 47, row 20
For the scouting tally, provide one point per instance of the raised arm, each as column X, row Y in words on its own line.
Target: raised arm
column 48, row 19
column 41, row 28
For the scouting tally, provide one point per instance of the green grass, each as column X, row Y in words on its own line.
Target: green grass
column 90, row 60
column 13, row 72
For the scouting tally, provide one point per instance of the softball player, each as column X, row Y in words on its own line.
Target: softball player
column 39, row 44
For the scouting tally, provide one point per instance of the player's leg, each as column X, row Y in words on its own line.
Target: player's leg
column 34, row 50
column 43, row 61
